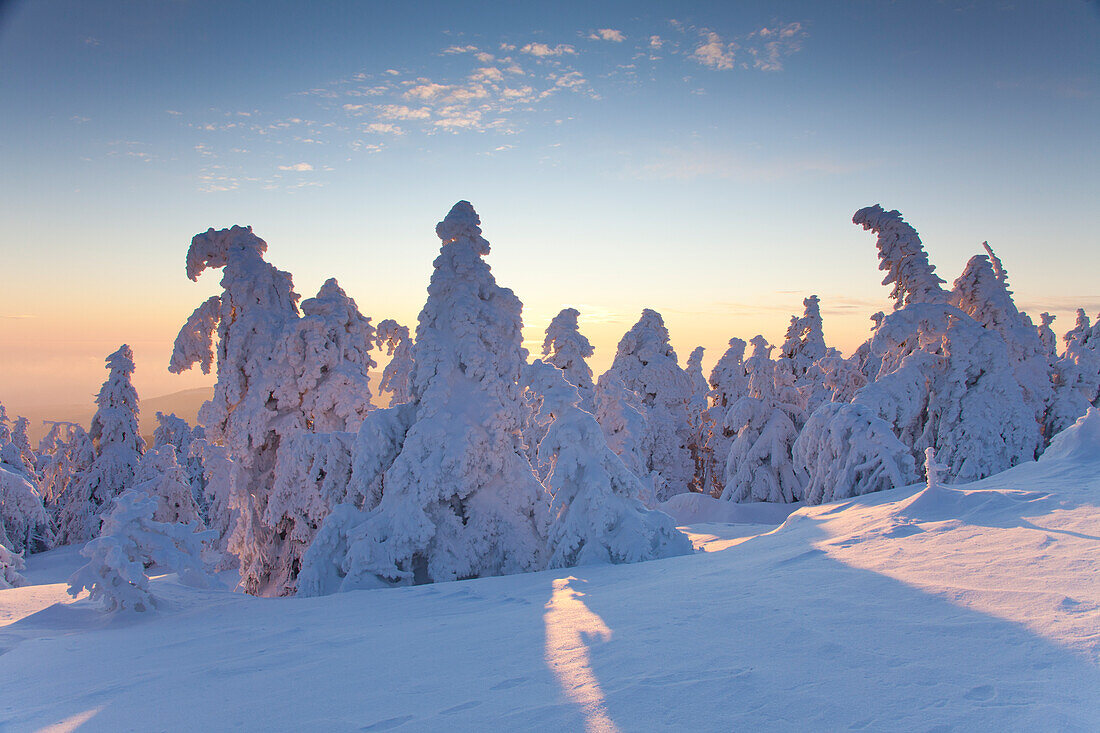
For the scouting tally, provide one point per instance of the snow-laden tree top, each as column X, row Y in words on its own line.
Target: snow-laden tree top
column 805, row 340
column 567, row 348
column 214, row 248
column 902, row 256
column 116, row 421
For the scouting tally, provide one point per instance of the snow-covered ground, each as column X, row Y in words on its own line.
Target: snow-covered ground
column 971, row 608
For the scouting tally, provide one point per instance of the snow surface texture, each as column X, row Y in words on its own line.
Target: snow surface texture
column 971, row 608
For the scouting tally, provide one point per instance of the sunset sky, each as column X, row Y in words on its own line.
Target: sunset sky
column 701, row 159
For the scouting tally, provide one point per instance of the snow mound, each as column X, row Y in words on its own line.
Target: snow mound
column 699, row 508
column 939, row 503
column 1078, row 442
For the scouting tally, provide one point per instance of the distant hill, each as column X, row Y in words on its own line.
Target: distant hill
column 185, row 404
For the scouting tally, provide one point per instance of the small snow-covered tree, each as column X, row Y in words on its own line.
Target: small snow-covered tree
column 1076, row 377
column 256, row 307
column 219, row 491
column 759, row 466
column 702, row 423
column 159, row 476
column 595, row 515
column 901, row 254
column 118, row 444
column 322, row 364
column 646, row 364
column 729, row 383
column 17, row 451
column 841, row 377
column 131, row 540
column 1046, row 335
column 23, row 518
column 845, row 451
column 620, row 414
column 397, row 376
column 65, row 491
column 10, row 565
column 567, row 348
column 803, row 348
column 460, row 497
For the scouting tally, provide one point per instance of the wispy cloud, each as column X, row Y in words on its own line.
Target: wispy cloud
column 297, row 167
column 763, row 49
column 543, row 50
column 607, row 34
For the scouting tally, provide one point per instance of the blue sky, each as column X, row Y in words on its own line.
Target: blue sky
column 703, row 159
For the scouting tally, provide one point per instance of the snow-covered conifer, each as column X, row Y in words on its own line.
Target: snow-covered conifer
column 460, row 497
column 397, row 376
column 256, row 307
column 841, row 377
column 759, row 466
column 646, row 364
column 131, row 539
column 219, row 486
column 159, row 476
column 729, row 383
column 901, row 254
column 702, row 423
column 595, row 515
column 1046, row 335
column 805, row 340
column 10, row 565
column 845, row 450
column 1076, row 377
column 174, row 431
column 323, row 362
column 118, row 444
column 23, row 518
column 621, row 416
column 567, row 348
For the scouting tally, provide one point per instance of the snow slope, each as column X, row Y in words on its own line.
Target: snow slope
column 972, row 608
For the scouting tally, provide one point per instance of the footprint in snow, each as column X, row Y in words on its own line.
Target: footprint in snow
column 509, row 684
column 388, row 723
column 461, row 707
column 981, row 693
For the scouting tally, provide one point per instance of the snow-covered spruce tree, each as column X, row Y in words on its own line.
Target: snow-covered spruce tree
column 1046, row 335
column 397, row 376
column 130, row 540
column 51, row 446
column 846, row 451
column 841, row 377
column 159, row 476
column 1076, row 377
column 595, row 515
column 759, row 466
column 702, row 424
column 982, row 293
column 312, row 475
column 256, row 307
column 803, row 347
column 460, row 498
column 118, row 444
column 567, row 348
column 23, row 518
column 10, row 565
column 621, row 416
column 323, row 362
column 902, row 256
column 18, row 450
column 65, row 491
column 942, row 379
column 729, row 382
column 646, row 364
column 178, row 433
column 219, row 490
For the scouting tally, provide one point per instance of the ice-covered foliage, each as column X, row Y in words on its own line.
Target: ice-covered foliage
column 901, row 254
column 23, row 518
column 845, row 450
column 567, row 348
column 982, row 293
column 646, row 364
column 159, row 476
column 17, row 451
column 397, row 376
column 759, row 466
column 595, row 514
column 256, row 307
column 805, row 339
column 218, row 501
column 702, row 423
column 65, row 491
column 174, row 431
column 1076, row 379
column 729, row 383
column 118, row 444
column 621, row 417
column 312, row 475
column 322, row 364
column 10, row 565
column 131, row 539
column 460, row 498
column 1046, row 335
